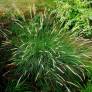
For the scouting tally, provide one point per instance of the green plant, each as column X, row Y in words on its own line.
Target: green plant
column 88, row 88
column 47, row 56
column 12, row 87
column 75, row 16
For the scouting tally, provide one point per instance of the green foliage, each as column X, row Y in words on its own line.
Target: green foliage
column 76, row 15
column 88, row 88
column 50, row 58
column 12, row 87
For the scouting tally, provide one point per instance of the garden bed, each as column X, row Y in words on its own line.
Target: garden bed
column 46, row 49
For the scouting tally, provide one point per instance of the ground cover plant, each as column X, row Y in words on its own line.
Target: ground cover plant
column 49, row 56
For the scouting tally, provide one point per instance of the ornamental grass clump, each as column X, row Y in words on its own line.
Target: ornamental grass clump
column 48, row 58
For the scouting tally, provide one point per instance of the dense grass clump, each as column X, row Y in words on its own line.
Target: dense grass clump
column 48, row 58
